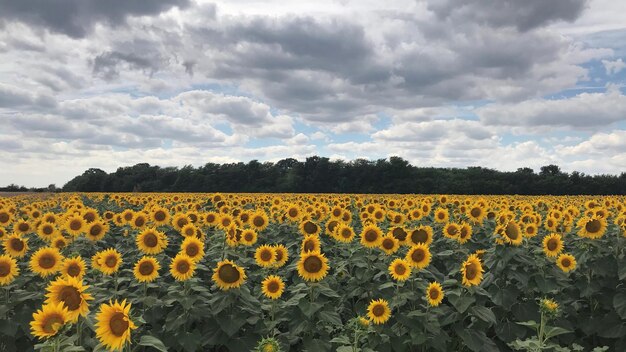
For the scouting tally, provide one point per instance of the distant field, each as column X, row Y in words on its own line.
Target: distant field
column 305, row 272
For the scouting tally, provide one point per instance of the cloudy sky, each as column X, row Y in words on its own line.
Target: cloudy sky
column 453, row 83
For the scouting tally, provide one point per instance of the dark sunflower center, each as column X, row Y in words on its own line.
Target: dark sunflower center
column 279, row 255
column 47, row 261
column 5, row 269
column 210, row 218
column 397, row 219
column 475, row 212
column 441, row 215
column 266, row 255
column 511, row 231
column 128, row 216
column 140, row 221
column 159, row 215
column 310, row 227
column 192, row 250
column 89, row 217
column 23, row 227
column 73, row 270
column 388, row 244
column 400, row 269
column 293, row 212
column 530, row 230
column 71, row 297
column 593, row 226
column 225, row 222
column 150, row 240
column 371, row 236
column 228, row 273
column 75, row 225
column 258, row 221
column 110, row 261
column 312, row 264
column 273, row 286
column 346, row 233
column 452, row 230
column 336, row 212
column 463, row 233
column 50, row 322
column 95, row 230
column 47, row 230
column 181, row 222
column 552, row 244
column 4, row 217
column 248, row 237
column 378, row 310
column 566, row 262
column 183, row 267
column 190, row 231
column 471, row 271
column 309, row 246
column 118, row 324
column 418, row 255
column 433, row 293
column 332, row 225
column 146, row 268
column 399, row 233
column 378, row 215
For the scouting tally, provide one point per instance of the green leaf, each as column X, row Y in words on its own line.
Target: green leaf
column 555, row 331
column 151, row 341
column 619, row 303
column 483, row 313
column 531, row 323
column 344, row 340
column 476, row 340
column 461, row 303
column 330, row 317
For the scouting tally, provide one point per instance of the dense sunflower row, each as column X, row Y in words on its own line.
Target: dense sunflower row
column 315, row 272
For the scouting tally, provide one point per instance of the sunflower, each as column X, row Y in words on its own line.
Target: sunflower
column 259, row 220
column 47, row 231
column 343, row 233
column 59, row 242
column 530, row 230
column 308, row 227
column 400, row 270
column 227, row 275
column 225, row 221
column 193, row 248
column 160, row 216
column 511, row 233
column 146, row 269
column 273, row 287
column 566, row 262
column 265, row 256
column 389, row 244
column 127, row 216
column 48, row 320
column 312, row 266
column 552, row 245
column 310, row 243
column 592, row 227
column 465, row 233
column 551, row 223
column 151, row 241
column 421, row 235
column 281, row 255
column 71, row 292
column 434, row 294
column 113, row 324
column 378, row 311
column 418, row 256
column 189, row 230
column 371, row 236
column 182, row 267
column 476, row 214
column 472, row 271
column 399, row 233
column 8, row 269
column 6, row 217
column 180, row 220
column 442, row 215
column 109, row 261
column 46, row 261
column 75, row 225
column 248, row 237
column 211, row 218
column 73, row 267
column 451, row 230
column 96, row 230
column 15, row 245
column 549, row 305
column 22, row 227
column 293, row 213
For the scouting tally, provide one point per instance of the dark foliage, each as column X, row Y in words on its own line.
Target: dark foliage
column 320, row 175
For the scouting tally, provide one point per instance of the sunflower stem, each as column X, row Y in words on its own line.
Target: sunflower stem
column 79, row 331
column 145, row 294
column 224, row 247
column 116, row 283
column 8, row 298
column 272, row 312
column 541, row 331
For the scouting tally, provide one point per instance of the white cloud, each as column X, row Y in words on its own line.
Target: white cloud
column 613, row 67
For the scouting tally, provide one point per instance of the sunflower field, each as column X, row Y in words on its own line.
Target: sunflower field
column 312, row 272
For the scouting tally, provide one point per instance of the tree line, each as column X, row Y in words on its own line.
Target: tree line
column 321, row 175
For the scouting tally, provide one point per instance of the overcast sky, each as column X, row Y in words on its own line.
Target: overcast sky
column 453, row 83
